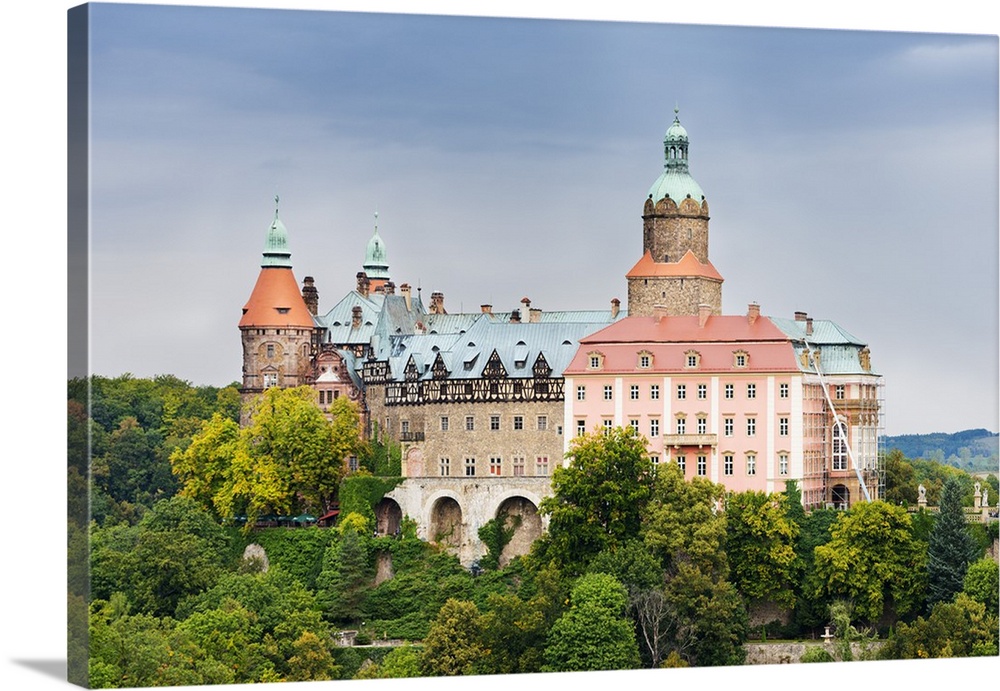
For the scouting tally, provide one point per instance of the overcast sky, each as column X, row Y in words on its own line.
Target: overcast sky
column 850, row 174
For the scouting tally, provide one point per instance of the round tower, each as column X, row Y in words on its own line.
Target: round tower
column 276, row 327
column 674, row 273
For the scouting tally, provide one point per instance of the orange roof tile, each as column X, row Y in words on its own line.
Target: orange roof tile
column 276, row 301
column 689, row 265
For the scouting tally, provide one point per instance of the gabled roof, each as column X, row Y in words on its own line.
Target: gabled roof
column 689, row 265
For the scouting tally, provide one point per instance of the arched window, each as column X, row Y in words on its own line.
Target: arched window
column 839, row 446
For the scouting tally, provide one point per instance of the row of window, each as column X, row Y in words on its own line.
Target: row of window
column 729, row 391
column 517, row 466
column 692, row 359
column 517, row 423
column 681, row 426
column 728, row 463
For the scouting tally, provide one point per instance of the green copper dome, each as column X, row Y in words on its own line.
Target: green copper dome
column 376, row 265
column 675, row 181
column 276, row 251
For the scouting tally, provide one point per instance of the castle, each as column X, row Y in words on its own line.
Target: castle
column 485, row 404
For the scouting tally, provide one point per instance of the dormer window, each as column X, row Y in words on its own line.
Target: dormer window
column 645, row 359
column 692, row 359
column 740, row 358
column 282, row 310
column 595, row 360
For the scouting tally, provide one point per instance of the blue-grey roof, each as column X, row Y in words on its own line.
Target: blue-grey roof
column 840, row 351
column 338, row 320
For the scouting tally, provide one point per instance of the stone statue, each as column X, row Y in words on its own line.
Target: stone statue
column 922, row 491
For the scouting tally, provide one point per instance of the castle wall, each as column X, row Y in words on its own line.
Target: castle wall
column 677, row 295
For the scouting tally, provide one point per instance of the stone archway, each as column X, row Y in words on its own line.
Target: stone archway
column 446, row 523
column 522, row 515
column 388, row 516
column 840, row 495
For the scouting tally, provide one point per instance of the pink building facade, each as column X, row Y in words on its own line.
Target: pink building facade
column 732, row 399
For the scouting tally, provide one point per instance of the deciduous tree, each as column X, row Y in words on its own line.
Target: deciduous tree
column 760, row 547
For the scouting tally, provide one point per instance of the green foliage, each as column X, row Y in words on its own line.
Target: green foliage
column 597, row 500
column 815, row 653
column 298, row 552
column 950, row 548
column 382, row 458
column 178, row 551
column 962, row 628
column 453, row 645
column 760, row 546
column 982, row 581
column 513, row 631
column 847, row 638
column 594, row 633
column 901, row 486
column 360, row 492
column 870, row 558
column 495, row 534
column 400, row 663
column 345, row 578
column 288, row 459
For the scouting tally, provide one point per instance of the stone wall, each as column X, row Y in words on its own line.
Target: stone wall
column 678, row 295
column 434, row 501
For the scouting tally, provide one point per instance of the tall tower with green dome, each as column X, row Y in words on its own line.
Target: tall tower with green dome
column 674, row 275
column 376, row 266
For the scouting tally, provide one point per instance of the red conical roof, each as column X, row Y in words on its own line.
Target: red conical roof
column 276, row 301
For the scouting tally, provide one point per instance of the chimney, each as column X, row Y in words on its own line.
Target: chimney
column 534, row 315
column 310, row 295
column 356, row 316
column 704, row 312
column 389, row 288
column 615, row 306
column 800, row 316
column 753, row 311
column 526, row 302
column 404, row 290
column 437, row 303
column 363, row 283
column 659, row 312
column 515, row 317
column 487, row 309
column 809, row 326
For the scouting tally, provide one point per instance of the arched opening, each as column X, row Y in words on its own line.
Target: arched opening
column 446, row 523
column 521, row 516
column 840, row 496
column 388, row 517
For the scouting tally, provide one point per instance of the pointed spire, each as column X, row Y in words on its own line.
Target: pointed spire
column 376, row 264
column 276, row 251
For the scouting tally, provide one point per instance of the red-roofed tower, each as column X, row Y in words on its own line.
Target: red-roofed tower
column 276, row 327
column 674, row 273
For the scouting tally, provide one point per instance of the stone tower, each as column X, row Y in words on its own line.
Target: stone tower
column 674, row 275
column 276, row 327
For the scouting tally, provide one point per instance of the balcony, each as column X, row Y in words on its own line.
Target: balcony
column 699, row 440
column 411, row 436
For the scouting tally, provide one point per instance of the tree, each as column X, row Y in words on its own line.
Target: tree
column 289, row 457
column 900, row 480
column 179, row 551
column 982, row 580
column 345, row 578
column 453, row 643
column 950, row 548
column 598, row 500
column 961, row 628
column 594, row 633
column 513, row 631
column 685, row 530
column 872, row 559
column 760, row 547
